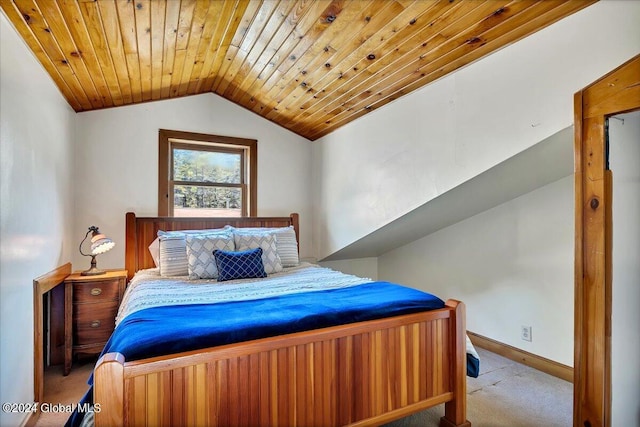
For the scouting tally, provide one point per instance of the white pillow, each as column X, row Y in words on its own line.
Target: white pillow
column 286, row 243
column 173, row 255
column 173, row 250
column 154, row 249
column 200, row 247
column 267, row 242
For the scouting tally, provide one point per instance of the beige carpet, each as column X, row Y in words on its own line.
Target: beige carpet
column 506, row 394
column 65, row 390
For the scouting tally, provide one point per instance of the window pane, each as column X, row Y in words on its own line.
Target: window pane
column 206, row 166
column 191, row 200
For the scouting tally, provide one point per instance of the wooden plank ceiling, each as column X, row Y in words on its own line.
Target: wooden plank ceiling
column 310, row 66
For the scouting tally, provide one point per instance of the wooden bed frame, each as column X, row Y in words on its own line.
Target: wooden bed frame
column 365, row 373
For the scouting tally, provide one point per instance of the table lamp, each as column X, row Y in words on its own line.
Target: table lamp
column 99, row 245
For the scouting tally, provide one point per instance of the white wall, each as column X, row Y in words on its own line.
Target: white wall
column 511, row 265
column 361, row 267
column 392, row 160
column 36, row 164
column 116, row 167
column 624, row 161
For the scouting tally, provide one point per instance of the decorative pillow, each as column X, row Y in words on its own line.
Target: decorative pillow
column 173, row 255
column 286, row 242
column 267, row 242
column 239, row 265
column 173, row 250
column 200, row 247
column 154, row 249
column 287, row 246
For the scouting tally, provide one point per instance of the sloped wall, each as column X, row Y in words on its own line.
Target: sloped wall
column 387, row 163
column 511, row 265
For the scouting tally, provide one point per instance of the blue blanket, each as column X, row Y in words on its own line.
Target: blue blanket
column 166, row 330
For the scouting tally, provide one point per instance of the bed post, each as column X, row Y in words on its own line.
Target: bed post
column 455, row 411
column 108, row 390
column 295, row 221
column 130, row 245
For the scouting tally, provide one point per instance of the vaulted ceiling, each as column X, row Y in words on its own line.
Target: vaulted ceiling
column 310, row 66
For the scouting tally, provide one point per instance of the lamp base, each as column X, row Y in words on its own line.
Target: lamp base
column 92, row 272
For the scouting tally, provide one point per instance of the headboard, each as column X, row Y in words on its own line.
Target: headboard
column 141, row 232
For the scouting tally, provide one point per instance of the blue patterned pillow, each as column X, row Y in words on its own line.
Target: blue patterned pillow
column 239, row 265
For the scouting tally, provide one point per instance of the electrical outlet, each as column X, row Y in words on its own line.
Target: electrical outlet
column 525, row 333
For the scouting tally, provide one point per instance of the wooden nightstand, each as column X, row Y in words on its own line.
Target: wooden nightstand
column 90, row 308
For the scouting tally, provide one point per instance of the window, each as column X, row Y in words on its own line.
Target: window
column 206, row 175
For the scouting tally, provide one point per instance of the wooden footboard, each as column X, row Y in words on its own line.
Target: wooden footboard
column 360, row 374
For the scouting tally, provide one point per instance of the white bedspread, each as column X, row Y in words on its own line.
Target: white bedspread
column 148, row 289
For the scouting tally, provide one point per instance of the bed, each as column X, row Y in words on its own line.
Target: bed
column 367, row 372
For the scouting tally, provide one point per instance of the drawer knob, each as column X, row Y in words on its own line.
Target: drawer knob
column 95, row 324
column 96, row 291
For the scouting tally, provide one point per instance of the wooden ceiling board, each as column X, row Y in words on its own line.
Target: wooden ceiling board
column 55, row 23
column 319, row 59
column 14, row 15
column 300, row 39
column 233, row 46
column 170, row 35
column 197, row 36
column 456, row 59
column 384, row 78
column 231, row 34
column 124, row 17
column 70, row 12
column 448, row 34
column 211, row 22
column 274, row 31
column 90, row 19
column 245, row 83
column 45, row 45
column 294, row 27
column 390, row 54
column 355, row 58
column 106, row 13
column 310, row 66
column 254, row 39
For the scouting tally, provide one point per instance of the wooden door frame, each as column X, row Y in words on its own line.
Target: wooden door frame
column 617, row 92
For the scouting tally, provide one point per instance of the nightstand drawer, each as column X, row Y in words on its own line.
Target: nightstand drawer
column 94, row 323
column 96, row 292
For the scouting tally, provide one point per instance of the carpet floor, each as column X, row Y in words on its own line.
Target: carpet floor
column 505, row 394
column 65, row 390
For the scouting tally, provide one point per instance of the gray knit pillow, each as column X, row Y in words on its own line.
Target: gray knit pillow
column 286, row 242
column 200, row 247
column 267, row 242
column 173, row 250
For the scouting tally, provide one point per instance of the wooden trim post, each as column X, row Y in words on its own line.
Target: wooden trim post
column 455, row 411
column 615, row 93
column 130, row 259
column 295, row 222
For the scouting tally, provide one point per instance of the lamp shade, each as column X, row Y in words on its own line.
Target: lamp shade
column 101, row 244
